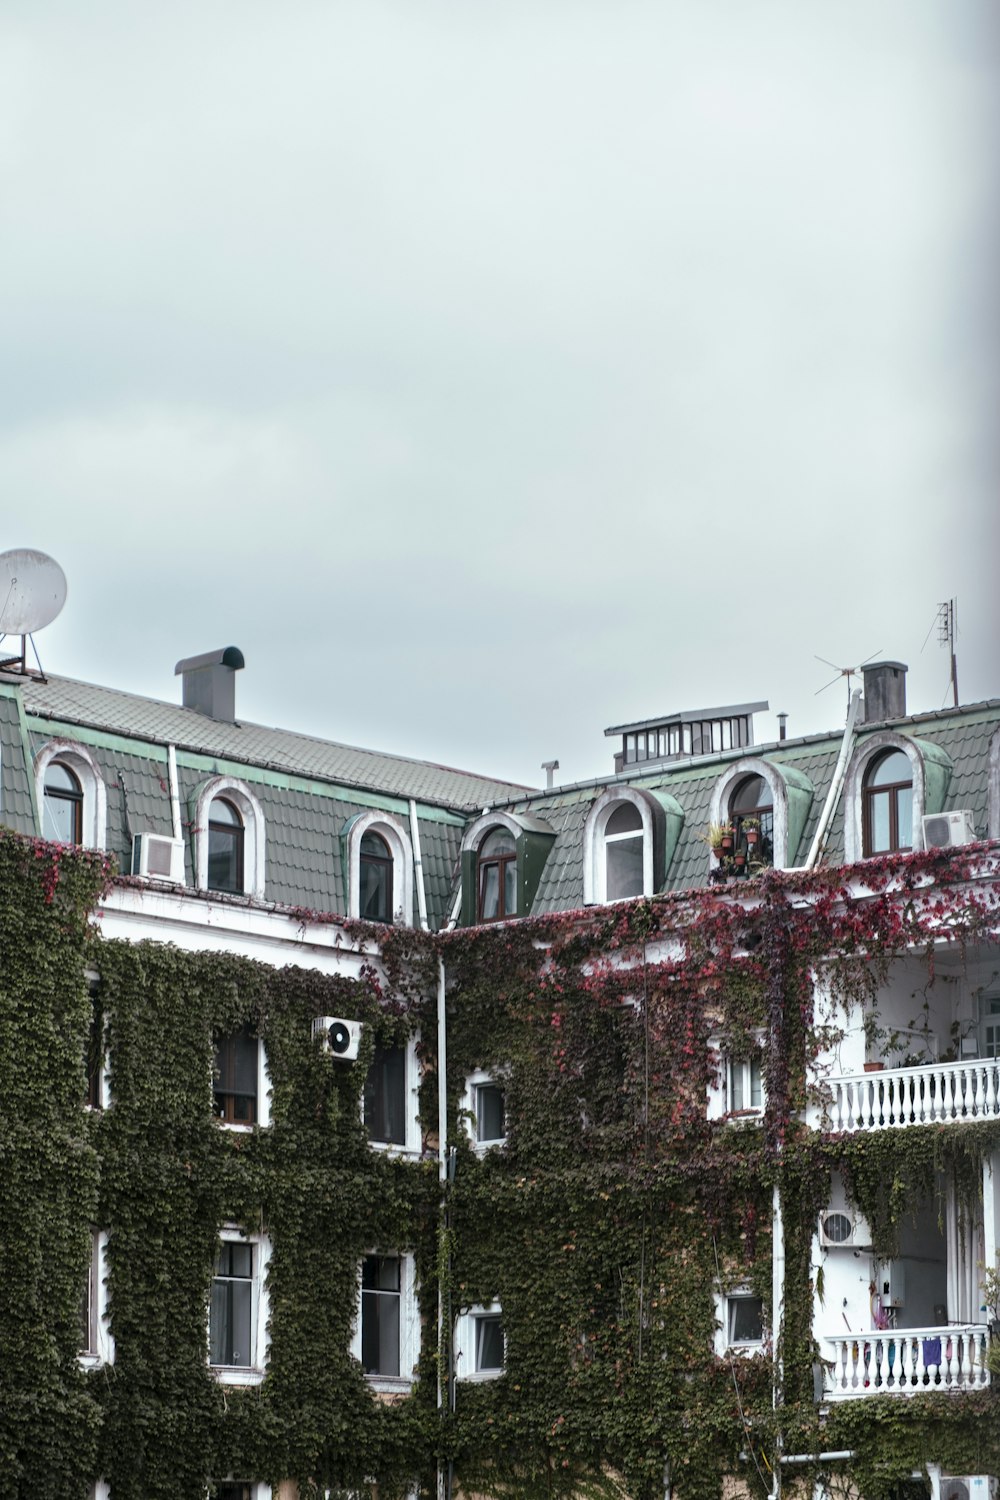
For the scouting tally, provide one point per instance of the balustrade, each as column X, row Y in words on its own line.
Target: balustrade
column 906, row 1361
column 935, row 1093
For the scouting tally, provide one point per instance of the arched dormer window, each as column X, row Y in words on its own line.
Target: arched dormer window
column 887, row 812
column 229, row 838
column 618, row 847
column 72, row 799
column 379, row 869
column 892, row 781
column 751, row 812
column 496, row 869
column 781, row 796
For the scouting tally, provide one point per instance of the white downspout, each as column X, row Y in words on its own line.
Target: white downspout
column 443, row 1385
column 175, row 801
column 836, row 785
column 418, row 866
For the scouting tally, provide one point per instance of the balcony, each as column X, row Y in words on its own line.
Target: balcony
column 932, row 1094
column 906, row 1362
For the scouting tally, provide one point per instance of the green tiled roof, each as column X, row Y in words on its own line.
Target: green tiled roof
column 16, row 802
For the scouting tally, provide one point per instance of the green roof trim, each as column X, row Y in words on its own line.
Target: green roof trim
column 29, row 762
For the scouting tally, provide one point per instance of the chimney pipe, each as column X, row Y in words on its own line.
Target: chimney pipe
column 209, row 682
column 782, row 726
column 885, row 691
column 549, row 766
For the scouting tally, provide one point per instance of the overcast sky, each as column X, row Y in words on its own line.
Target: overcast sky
column 490, row 373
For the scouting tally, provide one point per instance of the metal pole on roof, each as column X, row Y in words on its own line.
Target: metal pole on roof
column 418, row 865
column 836, row 785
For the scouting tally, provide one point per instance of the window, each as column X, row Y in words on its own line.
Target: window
column 387, row 1335
column 71, row 795
column 375, row 879
column 751, row 812
column 229, row 838
column 225, row 847
column 497, row 875
column 237, row 1321
column 236, row 1073
column 990, row 1012
column 96, row 1344
column 744, row 1321
column 480, row 1343
column 623, row 851
column 744, row 1086
column 887, row 815
column 385, row 1096
column 618, row 845
column 62, row 816
column 485, row 1107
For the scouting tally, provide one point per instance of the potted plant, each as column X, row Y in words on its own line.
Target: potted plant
column 750, row 828
column 726, row 830
column 715, row 836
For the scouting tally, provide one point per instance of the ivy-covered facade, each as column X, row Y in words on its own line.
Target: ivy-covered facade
column 502, row 1187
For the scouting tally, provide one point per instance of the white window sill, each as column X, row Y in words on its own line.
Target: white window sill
column 390, row 1385
column 391, row 1148
column 237, row 1375
column 746, row 1351
column 89, row 1361
column 477, row 1376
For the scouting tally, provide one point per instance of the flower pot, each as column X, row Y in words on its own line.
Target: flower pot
column 874, row 1067
column 751, row 835
column 727, row 842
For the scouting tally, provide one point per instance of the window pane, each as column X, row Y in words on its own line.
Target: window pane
column 59, row 819
column 380, row 1310
column 624, row 868
column 225, row 859
column 746, row 1325
column 385, row 1096
column 904, row 817
column 497, row 842
column 756, row 1088
column 625, row 819
column 489, row 1343
column 490, row 903
column 236, row 1064
column 510, row 888
column 736, row 1090
column 230, row 1315
column 375, row 894
column 490, row 1109
column 890, row 769
column 750, row 795
column 878, row 813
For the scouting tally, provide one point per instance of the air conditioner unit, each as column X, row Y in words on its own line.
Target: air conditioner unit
column 156, row 857
column 340, row 1038
column 948, row 830
column 843, row 1229
column 968, row 1487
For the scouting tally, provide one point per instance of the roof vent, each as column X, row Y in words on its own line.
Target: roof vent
column 209, row 682
column 885, row 691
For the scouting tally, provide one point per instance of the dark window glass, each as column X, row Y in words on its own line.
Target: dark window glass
column 62, row 811
column 746, row 1320
column 490, row 1113
column 497, row 877
column 489, row 1342
column 375, row 876
column 887, row 814
column 752, row 799
column 232, row 1489
column 380, row 1315
column 225, row 847
column 88, row 1307
column 95, row 1049
column 236, row 1078
column 623, row 853
column 385, row 1096
column 230, row 1318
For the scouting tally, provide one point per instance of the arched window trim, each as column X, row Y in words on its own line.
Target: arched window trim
column 78, row 759
column 854, row 789
column 595, row 869
column 398, row 840
column 252, row 814
column 723, row 794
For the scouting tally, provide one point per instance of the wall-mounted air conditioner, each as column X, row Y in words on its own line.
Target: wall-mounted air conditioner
column 340, row 1039
column 156, row 857
column 968, row 1487
column 948, row 830
column 843, row 1229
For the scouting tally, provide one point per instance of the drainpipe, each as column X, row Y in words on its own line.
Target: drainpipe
column 836, row 785
column 815, row 1458
column 418, row 866
column 443, row 1378
column 175, row 801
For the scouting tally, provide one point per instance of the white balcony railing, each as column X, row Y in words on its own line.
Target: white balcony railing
column 906, row 1361
column 935, row 1093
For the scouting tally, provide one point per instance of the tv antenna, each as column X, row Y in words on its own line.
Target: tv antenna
column 32, row 592
column 847, row 672
column 947, row 623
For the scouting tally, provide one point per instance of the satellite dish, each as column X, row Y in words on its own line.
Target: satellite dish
column 32, row 590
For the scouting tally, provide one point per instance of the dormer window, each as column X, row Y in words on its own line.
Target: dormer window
column 375, row 879
column 62, row 816
column 225, row 847
column 751, row 812
column 888, row 804
column 497, row 871
column 623, row 852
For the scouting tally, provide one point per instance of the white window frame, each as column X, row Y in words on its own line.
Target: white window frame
column 263, row 1095
column 722, row 796
column 720, row 1088
column 871, row 749
column 101, row 1340
column 465, row 1343
column 470, row 1107
column 252, row 817
column 724, row 1300
column 104, row 1083
column 79, row 760
column 401, row 850
column 595, row 863
column 409, row 1324
column 259, row 1311
column 411, row 1105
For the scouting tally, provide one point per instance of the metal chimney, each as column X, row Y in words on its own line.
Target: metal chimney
column 885, row 691
column 209, row 682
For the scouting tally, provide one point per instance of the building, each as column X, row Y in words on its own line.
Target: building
column 708, row 1198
